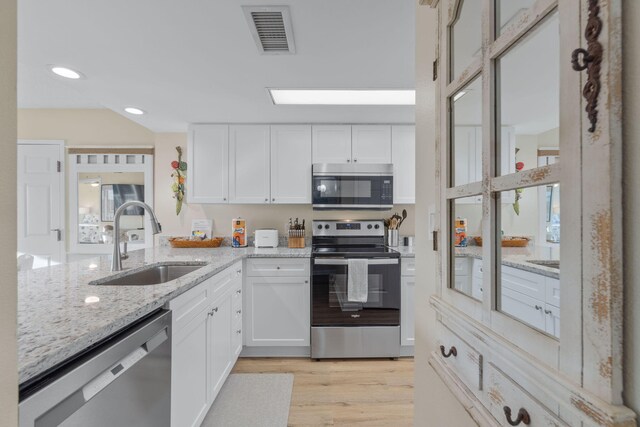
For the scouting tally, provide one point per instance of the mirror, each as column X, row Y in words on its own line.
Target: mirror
column 528, row 77
column 466, row 225
column 529, row 287
column 99, row 195
column 466, row 134
column 465, row 36
column 508, row 12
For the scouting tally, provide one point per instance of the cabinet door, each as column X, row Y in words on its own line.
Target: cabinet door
column 249, row 163
column 523, row 307
column 331, row 144
column 407, row 323
column 552, row 320
column 189, row 367
column 403, row 156
column 221, row 359
column 277, row 311
column 207, row 157
column 291, row 164
column 371, row 143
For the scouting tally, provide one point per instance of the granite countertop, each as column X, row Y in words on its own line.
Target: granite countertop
column 405, row 251
column 56, row 318
column 519, row 257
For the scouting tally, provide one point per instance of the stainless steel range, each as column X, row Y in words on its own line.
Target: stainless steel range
column 343, row 326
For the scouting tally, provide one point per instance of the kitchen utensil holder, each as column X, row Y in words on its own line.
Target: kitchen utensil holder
column 297, row 239
column 393, row 238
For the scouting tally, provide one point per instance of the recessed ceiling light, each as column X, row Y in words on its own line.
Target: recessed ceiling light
column 459, row 95
column 135, row 111
column 91, row 299
column 67, row 73
column 343, row 96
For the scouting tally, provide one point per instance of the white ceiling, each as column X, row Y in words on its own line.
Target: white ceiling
column 195, row 61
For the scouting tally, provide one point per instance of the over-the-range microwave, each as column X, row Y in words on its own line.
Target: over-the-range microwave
column 351, row 186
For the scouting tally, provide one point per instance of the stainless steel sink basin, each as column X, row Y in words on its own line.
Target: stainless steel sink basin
column 551, row 263
column 152, row 275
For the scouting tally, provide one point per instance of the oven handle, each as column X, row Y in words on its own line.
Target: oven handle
column 344, row 261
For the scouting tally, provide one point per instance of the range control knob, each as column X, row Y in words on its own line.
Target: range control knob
column 369, row 226
column 377, row 226
column 319, row 226
column 326, row 226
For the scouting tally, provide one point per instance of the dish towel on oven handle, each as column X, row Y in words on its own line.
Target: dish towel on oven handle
column 358, row 280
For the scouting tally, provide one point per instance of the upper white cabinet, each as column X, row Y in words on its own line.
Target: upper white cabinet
column 403, row 157
column 207, row 157
column 351, row 144
column 371, row 143
column 291, row 164
column 331, row 144
column 249, row 164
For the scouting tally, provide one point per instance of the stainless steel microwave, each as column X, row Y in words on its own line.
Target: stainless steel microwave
column 351, row 186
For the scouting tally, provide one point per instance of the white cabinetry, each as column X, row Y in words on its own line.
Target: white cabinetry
column 249, row 164
column 207, row 157
column 331, row 144
column 371, row 143
column 403, row 144
column 291, row 164
column 277, row 306
column 468, row 158
column 203, row 352
column 407, row 307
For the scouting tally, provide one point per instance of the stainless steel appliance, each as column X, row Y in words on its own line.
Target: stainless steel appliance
column 349, row 186
column 341, row 328
column 125, row 381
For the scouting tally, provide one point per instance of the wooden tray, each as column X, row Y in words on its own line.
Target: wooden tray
column 508, row 242
column 182, row 242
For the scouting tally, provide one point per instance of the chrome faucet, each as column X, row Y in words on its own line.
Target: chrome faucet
column 116, row 261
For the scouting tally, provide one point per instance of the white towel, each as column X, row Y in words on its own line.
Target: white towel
column 358, row 280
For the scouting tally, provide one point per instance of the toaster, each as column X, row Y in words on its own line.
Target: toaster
column 266, row 238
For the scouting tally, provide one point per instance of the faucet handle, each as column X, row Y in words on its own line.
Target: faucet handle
column 124, row 254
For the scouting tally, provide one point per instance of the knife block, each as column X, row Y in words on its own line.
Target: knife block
column 296, row 239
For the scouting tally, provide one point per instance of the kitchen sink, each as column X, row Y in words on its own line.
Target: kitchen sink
column 551, row 263
column 152, row 275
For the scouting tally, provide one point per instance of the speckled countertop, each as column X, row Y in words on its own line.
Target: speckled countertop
column 519, row 258
column 56, row 319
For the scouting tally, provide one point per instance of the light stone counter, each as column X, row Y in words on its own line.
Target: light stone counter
column 519, row 258
column 405, row 251
column 56, row 318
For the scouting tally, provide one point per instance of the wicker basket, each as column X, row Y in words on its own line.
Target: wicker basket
column 508, row 242
column 185, row 242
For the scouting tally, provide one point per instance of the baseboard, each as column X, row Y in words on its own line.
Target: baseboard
column 275, row 351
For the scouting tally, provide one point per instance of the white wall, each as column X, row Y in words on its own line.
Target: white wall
column 434, row 405
column 8, row 282
column 631, row 183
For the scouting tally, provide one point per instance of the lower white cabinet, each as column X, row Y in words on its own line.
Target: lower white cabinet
column 204, row 344
column 277, row 304
column 407, row 311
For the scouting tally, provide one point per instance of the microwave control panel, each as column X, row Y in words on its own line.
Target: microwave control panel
column 387, row 190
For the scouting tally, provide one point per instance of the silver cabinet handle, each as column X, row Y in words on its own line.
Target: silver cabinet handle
column 306, row 281
column 480, row 269
column 239, row 291
column 547, row 311
column 239, row 331
column 239, row 312
column 278, row 268
column 273, row 200
column 538, row 307
column 239, row 271
column 344, row 261
column 266, row 200
column 355, row 160
column 348, row 160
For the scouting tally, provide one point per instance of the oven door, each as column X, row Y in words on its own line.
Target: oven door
column 331, row 307
column 352, row 192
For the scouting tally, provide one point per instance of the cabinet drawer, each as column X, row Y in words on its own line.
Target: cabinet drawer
column 502, row 392
column 187, row 306
column 464, row 360
column 222, row 282
column 477, row 268
column 236, row 298
column 527, row 283
column 523, row 307
column 265, row 267
column 408, row 266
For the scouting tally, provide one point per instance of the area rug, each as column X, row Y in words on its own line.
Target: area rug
column 252, row 400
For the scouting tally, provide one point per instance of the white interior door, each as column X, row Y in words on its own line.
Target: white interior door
column 40, row 202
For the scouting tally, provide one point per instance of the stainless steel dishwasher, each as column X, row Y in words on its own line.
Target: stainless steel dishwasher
column 124, row 381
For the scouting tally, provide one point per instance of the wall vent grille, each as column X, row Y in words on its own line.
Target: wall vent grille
column 271, row 28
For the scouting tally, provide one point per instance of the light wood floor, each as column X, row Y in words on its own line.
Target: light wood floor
column 343, row 392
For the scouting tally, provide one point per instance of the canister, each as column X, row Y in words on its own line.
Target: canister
column 239, row 233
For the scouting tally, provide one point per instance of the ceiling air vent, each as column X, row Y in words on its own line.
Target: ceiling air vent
column 271, row 28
